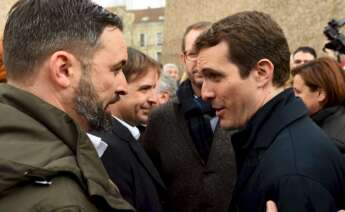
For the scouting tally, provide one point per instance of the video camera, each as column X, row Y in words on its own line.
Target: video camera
column 335, row 38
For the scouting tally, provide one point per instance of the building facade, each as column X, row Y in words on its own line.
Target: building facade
column 302, row 21
column 143, row 29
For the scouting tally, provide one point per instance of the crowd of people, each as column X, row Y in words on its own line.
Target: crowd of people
column 91, row 124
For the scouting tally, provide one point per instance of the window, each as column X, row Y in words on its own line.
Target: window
column 142, row 39
column 159, row 39
column 146, row 18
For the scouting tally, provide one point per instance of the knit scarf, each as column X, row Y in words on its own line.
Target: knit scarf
column 198, row 114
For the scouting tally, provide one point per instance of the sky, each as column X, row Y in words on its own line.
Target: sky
column 133, row 4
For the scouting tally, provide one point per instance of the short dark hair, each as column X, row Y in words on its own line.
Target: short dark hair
column 326, row 74
column 202, row 25
column 250, row 36
column 37, row 28
column 305, row 49
column 138, row 64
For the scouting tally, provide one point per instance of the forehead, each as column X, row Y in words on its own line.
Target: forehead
column 113, row 45
column 303, row 56
column 191, row 37
column 214, row 57
column 298, row 81
column 150, row 75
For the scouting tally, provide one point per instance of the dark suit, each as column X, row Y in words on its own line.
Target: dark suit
column 131, row 169
column 193, row 185
column 283, row 156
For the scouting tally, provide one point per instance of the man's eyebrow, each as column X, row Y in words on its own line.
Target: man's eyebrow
column 209, row 70
column 119, row 65
column 146, row 86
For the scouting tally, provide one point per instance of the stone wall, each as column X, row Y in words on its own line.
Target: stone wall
column 302, row 21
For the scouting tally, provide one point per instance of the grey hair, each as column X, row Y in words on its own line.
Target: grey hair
column 167, row 84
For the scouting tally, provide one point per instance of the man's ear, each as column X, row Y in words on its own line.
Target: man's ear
column 61, row 68
column 263, row 72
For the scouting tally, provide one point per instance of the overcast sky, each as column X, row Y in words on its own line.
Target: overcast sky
column 132, row 4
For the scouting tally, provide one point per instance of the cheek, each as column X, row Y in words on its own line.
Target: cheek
column 311, row 103
column 105, row 84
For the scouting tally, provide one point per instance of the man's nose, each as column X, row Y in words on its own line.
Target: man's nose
column 153, row 97
column 207, row 92
column 121, row 84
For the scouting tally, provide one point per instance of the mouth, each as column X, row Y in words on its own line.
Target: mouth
column 219, row 110
column 114, row 99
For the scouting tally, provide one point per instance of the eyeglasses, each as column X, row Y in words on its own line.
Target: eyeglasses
column 190, row 56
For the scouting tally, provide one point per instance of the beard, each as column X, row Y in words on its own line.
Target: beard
column 87, row 104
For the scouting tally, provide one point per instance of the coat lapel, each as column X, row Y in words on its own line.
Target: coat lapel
column 221, row 140
column 122, row 132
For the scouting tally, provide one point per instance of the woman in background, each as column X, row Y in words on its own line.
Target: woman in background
column 321, row 85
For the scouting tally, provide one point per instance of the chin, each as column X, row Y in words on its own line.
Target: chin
column 227, row 125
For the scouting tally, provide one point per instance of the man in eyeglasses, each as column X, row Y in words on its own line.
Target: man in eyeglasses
column 194, row 156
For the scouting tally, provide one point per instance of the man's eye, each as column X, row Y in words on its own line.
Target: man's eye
column 212, row 76
column 116, row 70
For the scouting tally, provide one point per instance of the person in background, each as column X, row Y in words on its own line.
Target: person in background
column 166, row 89
column 302, row 55
column 191, row 152
column 172, row 71
column 321, row 85
column 64, row 67
column 125, row 159
column 281, row 154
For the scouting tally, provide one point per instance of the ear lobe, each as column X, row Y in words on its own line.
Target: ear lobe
column 264, row 70
column 60, row 67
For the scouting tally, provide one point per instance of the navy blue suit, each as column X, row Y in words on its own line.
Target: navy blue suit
column 132, row 170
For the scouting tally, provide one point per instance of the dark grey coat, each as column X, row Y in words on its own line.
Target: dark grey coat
column 192, row 184
column 332, row 121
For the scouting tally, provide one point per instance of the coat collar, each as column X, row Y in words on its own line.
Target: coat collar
column 269, row 120
column 220, row 136
column 251, row 142
column 122, row 132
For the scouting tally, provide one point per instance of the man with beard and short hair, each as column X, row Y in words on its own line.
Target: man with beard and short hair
column 281, row 154
column 193, row 155
column 125, row 159
column 64, row 67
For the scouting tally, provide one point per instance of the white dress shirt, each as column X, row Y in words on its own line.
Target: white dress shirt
column 99, row 145
column 133, row 130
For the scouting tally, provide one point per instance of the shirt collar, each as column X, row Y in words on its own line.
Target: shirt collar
column 133, row 130
column 99, row 145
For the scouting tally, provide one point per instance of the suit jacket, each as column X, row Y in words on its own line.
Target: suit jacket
column 132, row 170
column 193, row 185
column 284, row 156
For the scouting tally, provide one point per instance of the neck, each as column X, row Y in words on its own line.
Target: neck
column 269, row 94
